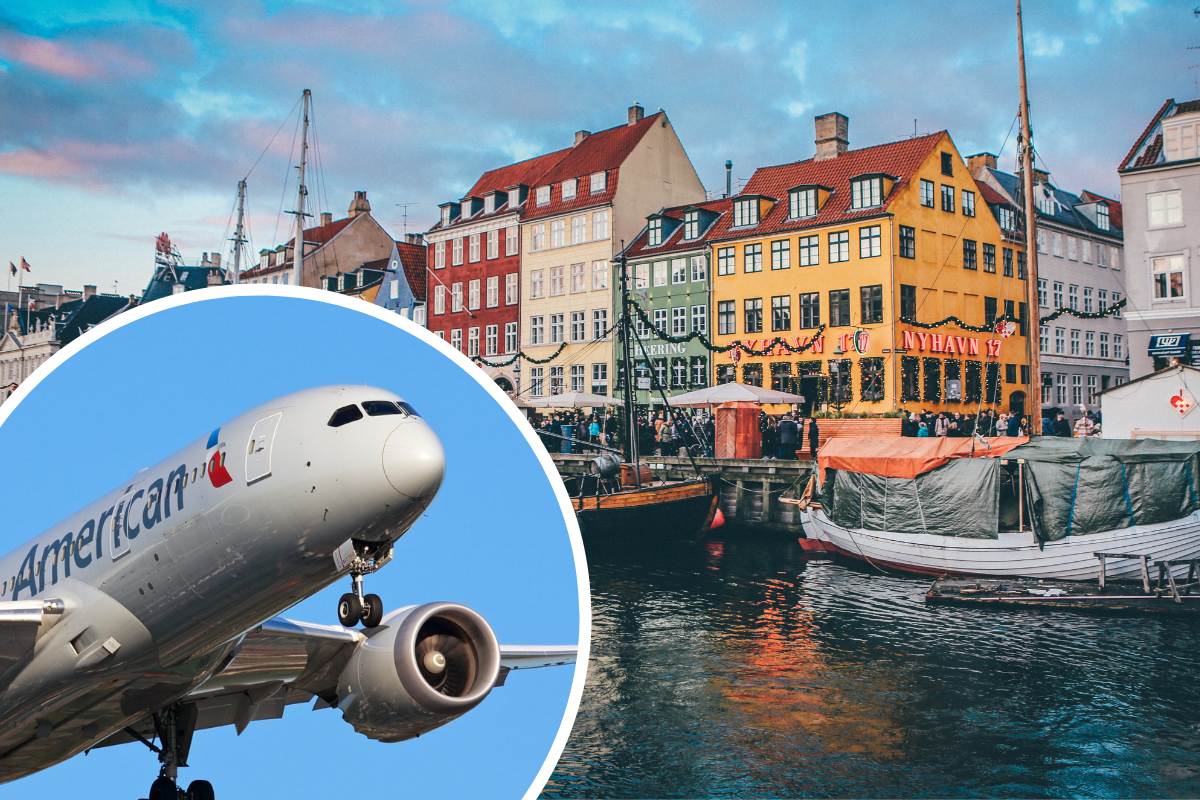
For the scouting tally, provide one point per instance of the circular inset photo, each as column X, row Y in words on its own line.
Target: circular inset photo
column 268, row 541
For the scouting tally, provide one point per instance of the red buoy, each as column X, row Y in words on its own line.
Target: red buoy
column 717, row 521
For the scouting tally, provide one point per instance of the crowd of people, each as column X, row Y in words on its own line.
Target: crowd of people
column 783, row 436
column 989, row 423
column 659, row 433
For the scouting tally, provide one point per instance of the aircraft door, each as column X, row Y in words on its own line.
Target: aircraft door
column 258, row 450
column 118, row 528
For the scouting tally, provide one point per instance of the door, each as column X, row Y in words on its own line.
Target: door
column 258, row 450
column 1016, row 403
column 118, row 525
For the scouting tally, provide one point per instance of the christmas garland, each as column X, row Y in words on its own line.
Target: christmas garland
column 1108, row 312
column 769, row 348
column 521, row 355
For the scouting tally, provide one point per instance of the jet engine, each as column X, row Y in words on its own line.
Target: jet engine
column 422, row 667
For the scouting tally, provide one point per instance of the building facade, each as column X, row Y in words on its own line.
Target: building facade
column 858, row 256
column 1079, row 244
column 1160, row 190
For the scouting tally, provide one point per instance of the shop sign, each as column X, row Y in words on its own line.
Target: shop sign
column 1183, row 402
column 818, row 346
column 665, row 349
column 949, row 344
column 860, row 340
column 953, row 389
column 1169, row 344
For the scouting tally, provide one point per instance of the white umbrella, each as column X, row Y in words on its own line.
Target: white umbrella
column 574, row 400
column 730, row 392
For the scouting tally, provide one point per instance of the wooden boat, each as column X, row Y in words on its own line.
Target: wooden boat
column 683, row 509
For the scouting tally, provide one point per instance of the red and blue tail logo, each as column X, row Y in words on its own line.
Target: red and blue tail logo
column 217, row 473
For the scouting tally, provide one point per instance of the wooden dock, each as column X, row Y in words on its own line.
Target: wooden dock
column 1017, row 593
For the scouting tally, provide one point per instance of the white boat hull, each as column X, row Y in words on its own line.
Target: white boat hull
column 1014, row 554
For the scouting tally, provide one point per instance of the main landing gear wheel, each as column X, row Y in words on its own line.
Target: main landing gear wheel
column 163, row 789
column 200, row 790
column 372, row 613
column 350, row 611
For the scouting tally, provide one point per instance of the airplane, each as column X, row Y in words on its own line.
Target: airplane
column 150, row 613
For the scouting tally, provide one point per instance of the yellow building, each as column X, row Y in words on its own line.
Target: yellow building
column 857, row 254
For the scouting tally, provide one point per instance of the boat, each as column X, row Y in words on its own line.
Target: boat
column 1037, row 507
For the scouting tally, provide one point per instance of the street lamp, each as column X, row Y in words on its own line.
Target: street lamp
column 835, row 368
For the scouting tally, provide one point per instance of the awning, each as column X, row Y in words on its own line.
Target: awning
column 1169, row 344
column 906, row 457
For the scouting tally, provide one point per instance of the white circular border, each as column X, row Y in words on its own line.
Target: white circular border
column 468, row 366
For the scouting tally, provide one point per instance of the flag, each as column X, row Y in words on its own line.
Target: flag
column 24, row 264
column 12, row 267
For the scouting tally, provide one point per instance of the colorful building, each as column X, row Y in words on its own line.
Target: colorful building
column 856, row 257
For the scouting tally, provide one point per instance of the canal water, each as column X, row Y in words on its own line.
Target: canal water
column 736, row 668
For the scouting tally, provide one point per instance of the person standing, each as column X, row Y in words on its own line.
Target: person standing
column 1061, row 426
column 664, row 438
column 941, row 427
column 770, row 445
column 814, row 438
column 787, row 438
column 1084, row 425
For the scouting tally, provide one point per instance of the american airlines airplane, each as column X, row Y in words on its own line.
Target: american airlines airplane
column 150, row 613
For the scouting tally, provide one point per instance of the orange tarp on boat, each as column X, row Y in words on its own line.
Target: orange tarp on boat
column 907, row 457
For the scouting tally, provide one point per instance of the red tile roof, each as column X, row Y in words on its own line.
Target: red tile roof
column 604, row 151
column 1137, row 145
column 527, row 172
column 675, row 242
column 991, row 196
column 1115, row 212
column 1150, row 156
column 898, row 159
column 320, row 236
column 412, row 259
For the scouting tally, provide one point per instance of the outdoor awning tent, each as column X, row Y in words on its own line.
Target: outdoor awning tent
column 732, row 392
column 907, row 457
column 574, row 400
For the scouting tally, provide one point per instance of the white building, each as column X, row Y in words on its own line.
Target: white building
column 1161, row 405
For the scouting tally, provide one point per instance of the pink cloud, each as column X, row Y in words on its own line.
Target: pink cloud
column 47, row 56
column 34, row 163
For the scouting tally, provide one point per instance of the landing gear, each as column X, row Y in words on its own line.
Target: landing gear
column 354, row 606
column 174, row 726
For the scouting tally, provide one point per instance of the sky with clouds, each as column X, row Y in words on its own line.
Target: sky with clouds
column 125, row 118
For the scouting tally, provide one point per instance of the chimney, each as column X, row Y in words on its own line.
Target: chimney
column 980, row 160
column 1040, row 176
column 636, row 113
column 581, row 135
column 216, row 260
column 728, row 178
column 88, row 291
column 359, row 205
column 833, row 131
column 413, row 238
column 327, row 217
column 58, row 301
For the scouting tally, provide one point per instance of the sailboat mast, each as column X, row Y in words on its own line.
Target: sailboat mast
column 630, row 422
column 1034, row 339
column 301, row 193
column 239, row 236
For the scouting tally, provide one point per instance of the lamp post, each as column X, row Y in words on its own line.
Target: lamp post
column 835, row 368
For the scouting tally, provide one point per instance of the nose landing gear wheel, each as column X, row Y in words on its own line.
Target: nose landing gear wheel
column 200, row 790
column 372, row 613
column 350, row 611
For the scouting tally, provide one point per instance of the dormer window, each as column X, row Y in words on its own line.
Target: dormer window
column 1102, row 217
column 445, row 215
column 866, row 192
column 1006, row 218
column 543, row 196
column 568, row 189
column 802, row 203
column 489, row 204
column 598, row 182
column 514, row 198
column 691, row 225
column 745, row 212
column 654, row 237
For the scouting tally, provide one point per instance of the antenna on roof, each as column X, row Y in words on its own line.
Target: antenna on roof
column 405, row 207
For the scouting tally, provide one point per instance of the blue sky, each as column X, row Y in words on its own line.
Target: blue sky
column 495, row 538
column 126, row 118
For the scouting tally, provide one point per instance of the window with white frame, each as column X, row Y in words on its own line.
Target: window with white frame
column 599, row 225
column 558, row 284
column 1168, row 277
column 641, row 276
column 579, row 229
column 927, row 193
column 456, row 339
column 866, row 192
column 578, row 278
column 558, row 229
column 599, row 183
column 439, row 255
column 510, row 240
column 1085, row 251
column 1006, row 218
column 781, row 254
column 1060, row 386
column 1041, row 241
column 439, row 299
column 1101, row 255
column 577, row 377
column 1044, row 335
column 869, row 242
column 1073, row 297
column 473, row 295
column 578, row 326
column 446, row 215
column 510, row 337
column 1072, row 248
column 1056, row 242
column 1165, row 208
column 536, row 386
column 511, row 296
column 1060, row 341
column 699, row 269
column 599, row 378
column 1074, row 342
column 745, row 212
column 419, row 315
column 679, row 321
column 568, row 189
column 474, row 249
column 700, row 319
column 556, row 328
column 543, row 195
column 1091, row 389
column 473, row 341
column 968, row 203
column 839, row 246
column 654, row 232
column 1089, row 343
column 493, row 244
column 1116, row 258
column 456, row 297
column 691, row 225
column 726, row 261
column 489, row 204
column 1088, row 304
column 599, row 323
column 1058, row 294
column 537, row 286
column 679, row 273
column 660, row 273
column 456, row 255
column 493, row 291
column 491, row 339
column 537, row 237
column 660, row 319
column 1101, row 299
column 1117, row 345
column 537, row 330
column 514, row 198
column 1077, row 390
column 1102, row 221
column 809, row 251
column 599, row 275
column 1103, row 345
column 802, row 203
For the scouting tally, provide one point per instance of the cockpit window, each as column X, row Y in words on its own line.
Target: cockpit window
column 408, row 408
column 380, row 408
column 344, row 416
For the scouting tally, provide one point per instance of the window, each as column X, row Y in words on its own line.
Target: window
column 699, row 371
column 781, row 254
column 839, row 308
column 1077, row 390
column 439, row 299
column 1074, row 342
column 1044, row 343
column 1021, row 265
column 1058, row 295
column 577, row 377
column 1101, row 256
column 872, row 303
column 908, row 242
column 679, row 321
column 989, row 259
column 439, row 255
column 1041, row 242
column 908, row 301
column 510, row 289
column 510, row 240
column 599, row 225
column 1042, row 292
column 726, row 261
column 1007, row 220
column 1008, row 265
column 1168, row 277
column 599, row 323
column 1060, row 341
column 1060, row 381
column 558, row 232
column 474, row 250
column 456, row 339
column 679, row 273
column 456, row 256
column 969, row 261
column 810, row 310
column 869, row 242
column 700, row 319
column 968, row 203
column 578, row 278
column 491, row 339
column 473, row 341
column 578, row 326
column 445, row 216
column 599, row 378
column 536, row 284
column 1091, row 389
column 557, row 282
column 456, row 297
column 927, row 193
column 1165, row 208
column 691, row 225
column 654, row 235
column 802, row 203
column 556, row 328
column 535, row 382
column 989, row 310
column 839, row 246
column 1056, row 243
column 1085, row 251
column 699, row 269
column 493, row 291
column 753, row 258
column 514, row 198
column 1047, row 386
column 1010, row 373
column 543, row 195
column 1073, row 297
column 660, row 319
column 598, row 182
column 493, row 244
column 537, row 237
column 556, row 380
column 641, row 278
column 947, row 164
column 599, row 275
column 866, row 192
column 1088, row 304
column 947, row 198
column 473, row 295
column 810, row 251
column 1089, row 343
column 568, row 189
column 660, row 273
column 1117, row 345
column 579, row 229
column 781, row 313
column 510, row 337
column 1072, row 248
column 745, row 212
column 726, row 318
column 1102, row 217
column 1117, row 299
column 753, row 315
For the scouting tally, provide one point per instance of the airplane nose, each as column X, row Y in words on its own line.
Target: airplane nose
column 413, row 460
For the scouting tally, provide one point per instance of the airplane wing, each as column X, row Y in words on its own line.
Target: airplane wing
column 20, row 623
column 283, row 662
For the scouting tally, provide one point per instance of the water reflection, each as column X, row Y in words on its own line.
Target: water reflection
column 737, row 669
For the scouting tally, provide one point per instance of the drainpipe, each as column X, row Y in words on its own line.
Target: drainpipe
column 729, row 179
